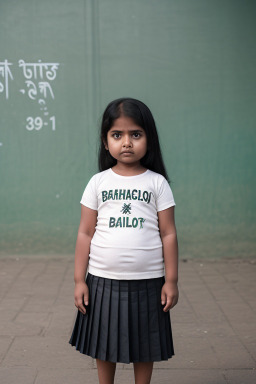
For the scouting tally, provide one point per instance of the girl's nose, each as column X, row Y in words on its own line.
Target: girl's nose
column 126, row 141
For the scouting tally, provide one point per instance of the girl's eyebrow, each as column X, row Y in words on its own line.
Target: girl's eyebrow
column 134, row 130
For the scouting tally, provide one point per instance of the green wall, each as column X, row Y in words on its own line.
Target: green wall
column 192, row 62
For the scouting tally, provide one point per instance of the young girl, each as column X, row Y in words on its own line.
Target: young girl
column 127, row 240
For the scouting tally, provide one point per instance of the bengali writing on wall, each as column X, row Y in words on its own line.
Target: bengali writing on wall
column 38, row 87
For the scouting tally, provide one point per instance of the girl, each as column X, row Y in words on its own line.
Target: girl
column 127, row 240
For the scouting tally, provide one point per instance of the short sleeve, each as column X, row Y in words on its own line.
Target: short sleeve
column 89, row 198
column 165, row 197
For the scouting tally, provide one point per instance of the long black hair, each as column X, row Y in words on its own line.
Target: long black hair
column 142, row 117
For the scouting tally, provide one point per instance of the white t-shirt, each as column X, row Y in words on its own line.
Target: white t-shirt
column 127, row 243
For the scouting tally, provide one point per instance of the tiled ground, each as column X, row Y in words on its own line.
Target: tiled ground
column 214, row 324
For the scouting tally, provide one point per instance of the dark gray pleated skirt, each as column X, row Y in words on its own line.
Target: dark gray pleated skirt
column 124, row 322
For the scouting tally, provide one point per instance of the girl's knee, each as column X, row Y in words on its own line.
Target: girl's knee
column 106, row 371
column 143, row 372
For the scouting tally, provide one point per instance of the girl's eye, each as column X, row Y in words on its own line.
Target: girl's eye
column 117, row 135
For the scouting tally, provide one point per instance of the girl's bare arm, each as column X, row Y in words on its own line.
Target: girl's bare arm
column 85, row 233
column 168, row 235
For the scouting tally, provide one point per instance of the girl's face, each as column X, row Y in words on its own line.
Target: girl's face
column 126, row 141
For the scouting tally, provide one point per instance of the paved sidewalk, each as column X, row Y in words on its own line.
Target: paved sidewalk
column 214, row 324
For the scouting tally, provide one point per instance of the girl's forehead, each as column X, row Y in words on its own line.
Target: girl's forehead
column 123, row 123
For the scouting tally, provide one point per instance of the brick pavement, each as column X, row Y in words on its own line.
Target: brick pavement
column 214, row 324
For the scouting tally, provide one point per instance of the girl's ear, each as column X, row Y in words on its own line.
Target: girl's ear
column 105, row 145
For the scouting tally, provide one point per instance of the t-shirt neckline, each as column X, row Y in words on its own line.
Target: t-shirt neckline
column 128, row 177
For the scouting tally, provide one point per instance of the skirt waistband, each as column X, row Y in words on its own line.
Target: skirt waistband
column 127, row 285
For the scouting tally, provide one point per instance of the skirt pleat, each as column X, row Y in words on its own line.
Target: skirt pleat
column 134, row 325
column 93, row 284
column 155, row 345
column 81, row 345
column 169, row 337
column 104, row 321
column 80, row 334
column 95, row 328
column 143, row 325
column 124, row 321
column 113, row 322
column 163, row 340
column 123, row 324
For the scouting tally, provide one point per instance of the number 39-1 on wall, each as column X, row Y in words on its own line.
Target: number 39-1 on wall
column 36, row 123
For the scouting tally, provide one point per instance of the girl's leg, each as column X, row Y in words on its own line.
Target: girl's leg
column 106, row 371
column 143, row 372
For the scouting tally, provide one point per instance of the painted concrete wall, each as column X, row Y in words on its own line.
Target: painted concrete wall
column 192, row 62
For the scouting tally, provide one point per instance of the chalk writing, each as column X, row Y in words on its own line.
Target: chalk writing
column 43, row 71
column 5, row 72
column 43, row 87
column 39, row 68
column 37, row 123
column 32, row 73
column 38, row 79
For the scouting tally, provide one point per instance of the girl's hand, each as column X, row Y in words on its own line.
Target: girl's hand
column 81, row 296
column 169, row 295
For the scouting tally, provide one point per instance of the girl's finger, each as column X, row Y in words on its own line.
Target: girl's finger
column 168, row 305
column 86, row 299
column 81, row 306
column 163, row 298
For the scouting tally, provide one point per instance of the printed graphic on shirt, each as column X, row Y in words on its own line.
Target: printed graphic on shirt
column 126, row 194
column 126, row 222
column 126, row 208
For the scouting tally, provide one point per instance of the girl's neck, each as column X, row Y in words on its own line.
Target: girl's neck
column 128, row 171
